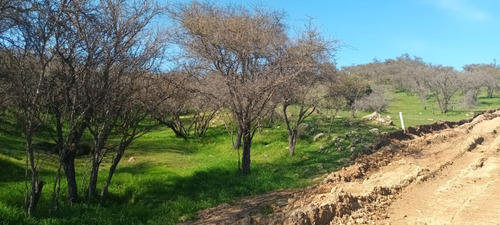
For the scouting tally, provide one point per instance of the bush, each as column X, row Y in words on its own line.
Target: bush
column 470, row 99
column 377, row 101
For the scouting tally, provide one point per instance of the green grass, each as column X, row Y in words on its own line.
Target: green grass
column 169, row 179
column 414, row 112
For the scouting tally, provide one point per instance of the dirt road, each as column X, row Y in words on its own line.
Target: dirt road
column 446, row 173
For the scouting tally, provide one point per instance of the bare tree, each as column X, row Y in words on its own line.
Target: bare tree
column 443, row 83
column 405, row 74
column 240, row 46
column 471, row 84
column 128, row 49
column 27, row 62
column 352, row 87
column 193, row 108
column 377, row 101
column 302, row 63
column 145, row 95
column 76, row 47
column 333, row 100
column 487, row 74
column 10, row 18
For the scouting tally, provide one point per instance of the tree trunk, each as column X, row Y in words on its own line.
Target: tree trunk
column 177, row 128
column 443, row 105
column 35, row 196
column 124, row 143
column 36, row 185
column 353, row 112
column 93, row 179
column 330, row 126
column 56, row 189
column 98, row 154
column 68, row 163
column 490, row 92
column 237, row 141
column 247, row 142
column 116, row 160
column 292, row 140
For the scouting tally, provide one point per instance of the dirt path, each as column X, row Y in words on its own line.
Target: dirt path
column 431, row 176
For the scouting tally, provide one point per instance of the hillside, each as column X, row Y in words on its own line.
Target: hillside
column 164, row 179
column 445, row 173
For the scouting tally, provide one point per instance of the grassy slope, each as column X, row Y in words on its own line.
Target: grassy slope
column 169, row 179
column 414, row 112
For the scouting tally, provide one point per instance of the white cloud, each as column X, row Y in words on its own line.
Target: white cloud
column 461, row 9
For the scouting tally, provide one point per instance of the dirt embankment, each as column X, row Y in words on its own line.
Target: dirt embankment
column 445, row 173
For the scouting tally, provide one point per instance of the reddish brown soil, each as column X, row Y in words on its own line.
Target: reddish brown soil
column 446, row 173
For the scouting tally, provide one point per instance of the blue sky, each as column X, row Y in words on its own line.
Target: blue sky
column 446, row 32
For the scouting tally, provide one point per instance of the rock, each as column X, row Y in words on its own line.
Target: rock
column 371, row 117
column 131, row 159
column 377, row 118
column 318, row 136
column 374, row 131
column 282, row 202
column 384, row 121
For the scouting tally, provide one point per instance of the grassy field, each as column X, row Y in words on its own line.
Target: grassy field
column 164, row 179
column 414, row 112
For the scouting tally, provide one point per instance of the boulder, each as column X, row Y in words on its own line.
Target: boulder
column 377, row 118
column 372, row 117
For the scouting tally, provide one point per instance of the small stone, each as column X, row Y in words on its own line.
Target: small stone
column 318, row 136
column 374, row 131
column 282, row 202
column 360, row 220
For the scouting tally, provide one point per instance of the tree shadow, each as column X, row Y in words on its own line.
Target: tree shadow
column 10, row 171
column 12, row 147
column 10, row 126
column 183, row 196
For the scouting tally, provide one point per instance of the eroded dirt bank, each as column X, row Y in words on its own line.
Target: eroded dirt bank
column 447, row 173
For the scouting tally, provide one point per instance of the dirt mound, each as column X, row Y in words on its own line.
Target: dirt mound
column 444, row 173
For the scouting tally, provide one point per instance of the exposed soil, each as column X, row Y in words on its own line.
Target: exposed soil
column 445, row 173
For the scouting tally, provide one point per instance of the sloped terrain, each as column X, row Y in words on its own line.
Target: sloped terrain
column 445, row 173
